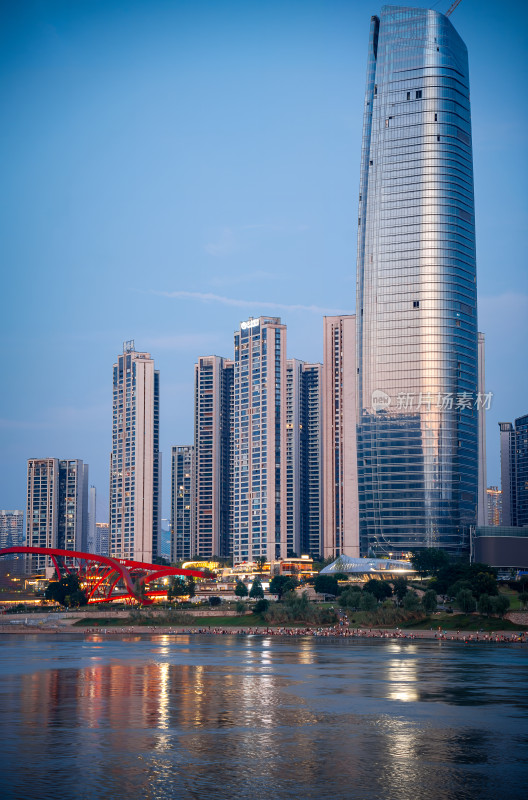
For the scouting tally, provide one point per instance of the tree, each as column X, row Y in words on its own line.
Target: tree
column 326, row 584
column 456, row 571
column 500, row 604
column 465, row 601
column 67, row 592
column 241, row 589
column 411, row 601
column 457, row 587
column 429, row 560
column 350, row 598
column 177, row 588
column 367, row 602
column 429, row 601
column 380, row 589
column 399, row 586
column 484, row 583
column 484, row 605
column 523, row 599
column 214, row 600
column 261, row 606
column 256, row 592
column 282, row 584
column 261, row 560
column 191, row 586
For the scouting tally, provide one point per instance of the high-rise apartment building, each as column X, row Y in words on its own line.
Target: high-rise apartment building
column 92, row 510
column 312, row 460
column 259, row 441
column 295, row 442
column 508, row 472
column 340, row 472
column 102, row 538
column 514, row 471
column 213, row 378
column 135, row 462
column 482, row 505
column 494, row 499
column 57, row 506
column 182, row 502
column 42, row 514
column 72, row 533
column 416, row 290
column 11, row 528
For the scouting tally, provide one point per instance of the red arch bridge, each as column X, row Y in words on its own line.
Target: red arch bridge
column 105, row 579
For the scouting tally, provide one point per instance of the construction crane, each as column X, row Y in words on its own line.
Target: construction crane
column 452, row 8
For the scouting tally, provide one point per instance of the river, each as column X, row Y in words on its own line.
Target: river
column 221, row 717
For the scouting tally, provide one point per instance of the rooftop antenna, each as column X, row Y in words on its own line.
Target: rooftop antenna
column 452, row 7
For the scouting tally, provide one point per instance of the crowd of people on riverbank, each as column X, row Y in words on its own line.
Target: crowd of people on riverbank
column 340, row 631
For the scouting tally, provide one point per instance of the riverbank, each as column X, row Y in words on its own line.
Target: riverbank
column 266, row 631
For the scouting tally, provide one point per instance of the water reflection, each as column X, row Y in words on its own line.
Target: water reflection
column 209, row 717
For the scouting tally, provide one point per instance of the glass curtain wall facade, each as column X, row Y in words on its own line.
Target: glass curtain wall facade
column 416, row 290
column 514, row 471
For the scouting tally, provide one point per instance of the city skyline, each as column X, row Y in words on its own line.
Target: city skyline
column 279, row 216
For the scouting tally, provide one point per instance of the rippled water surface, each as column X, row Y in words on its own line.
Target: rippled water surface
column 250, row 717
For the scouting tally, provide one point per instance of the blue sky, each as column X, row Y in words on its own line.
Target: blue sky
column 170, row 168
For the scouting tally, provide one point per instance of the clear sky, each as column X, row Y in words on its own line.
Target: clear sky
column 171, row 168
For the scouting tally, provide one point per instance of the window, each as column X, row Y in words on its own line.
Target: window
column 436, row 117
column 437, row 138
column 418, row 94
column 416, row 304
column 408, row 95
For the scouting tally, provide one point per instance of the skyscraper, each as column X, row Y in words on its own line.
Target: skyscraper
column 42, row 514
column 482, row 508
column 102, row 538
column 57, row 506
column 213, row 378
column 182, row 502
column 72, row 532
column 416, row 290
column 135, row 462
column 514, row 471
column 11, row 528
column 294, row 455
column 12, row 535
column 92, row 510
column 494, row 499
column 341, row 520
column 312, row 460
column 259, row 440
